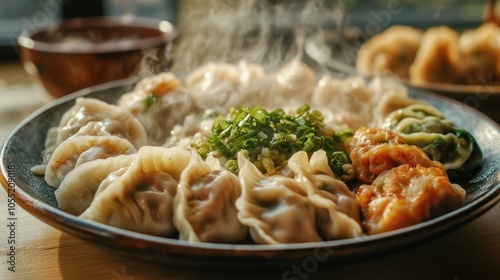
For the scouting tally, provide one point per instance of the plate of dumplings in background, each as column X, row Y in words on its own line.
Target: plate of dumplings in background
column 463, row 65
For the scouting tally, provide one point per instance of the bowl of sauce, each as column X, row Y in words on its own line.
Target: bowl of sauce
column 83, row 52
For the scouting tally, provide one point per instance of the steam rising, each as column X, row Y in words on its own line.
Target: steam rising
column 263, row 32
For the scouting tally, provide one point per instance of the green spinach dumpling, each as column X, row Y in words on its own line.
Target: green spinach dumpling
column 426, row 127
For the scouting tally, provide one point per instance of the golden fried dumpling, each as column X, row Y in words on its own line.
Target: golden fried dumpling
column 390, row 51
column 374, row 151
column 480, row 50
column 437, row 59
column 407, row 195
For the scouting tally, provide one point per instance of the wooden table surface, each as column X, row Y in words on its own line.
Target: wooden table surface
column 42, row 252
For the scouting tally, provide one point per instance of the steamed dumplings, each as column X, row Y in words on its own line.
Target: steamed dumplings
column 78, row 188
column 163, row 191
column 142, row 198
column 310, row 207
column 276, row 209
column 158, row 103
column 104, row 169
column 205, row 208
column 81, row 149
column 337, row 212
column 83, row 117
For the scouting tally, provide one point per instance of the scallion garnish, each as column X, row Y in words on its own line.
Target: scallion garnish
column 269, row 139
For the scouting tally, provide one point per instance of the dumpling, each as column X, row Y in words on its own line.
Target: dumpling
column 387, row 95
column 223, row 84
column 348, row 100
column 276, row 209
column 438, row 57
column 337, row 211
column 426, row 127
column 205, row 209
column 369, row 161
column 158, row 102
column 112, row 119
column 102, row 128
column 78, row 188
column 142, row 198
column 294, row 81
column 390, row 51
column 480, row 54
column 369, row 136
column 80, row 149
column 407, row 195
column 355, row 102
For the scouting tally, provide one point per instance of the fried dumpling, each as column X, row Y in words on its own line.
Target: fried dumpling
column 480, row 54
column 78, row 188
column 276, row 208
column 391, row 51
column 369, row 161
column 205, row 209
column 112, row 119
column 438, row 57
column 80, row 149
column 142, row 198
column 337, row 211
column 407, row 195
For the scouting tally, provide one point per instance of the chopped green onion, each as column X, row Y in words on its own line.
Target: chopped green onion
column 148, row 102
column 269, row 139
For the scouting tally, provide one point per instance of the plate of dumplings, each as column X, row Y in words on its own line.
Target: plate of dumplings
column 24, row 150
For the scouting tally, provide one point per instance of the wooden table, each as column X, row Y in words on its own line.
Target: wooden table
column 42, row 252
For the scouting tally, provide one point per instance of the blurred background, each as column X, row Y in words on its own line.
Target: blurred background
column 19, row 14
column 186, row 16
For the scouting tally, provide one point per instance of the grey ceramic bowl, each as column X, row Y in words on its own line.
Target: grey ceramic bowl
column 23, row 149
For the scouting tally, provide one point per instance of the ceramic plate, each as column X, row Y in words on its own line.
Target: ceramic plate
column 23, row 149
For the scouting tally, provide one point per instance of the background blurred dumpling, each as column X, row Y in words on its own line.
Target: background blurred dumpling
column 437, row 58
column 390, row 51
column 480, row 54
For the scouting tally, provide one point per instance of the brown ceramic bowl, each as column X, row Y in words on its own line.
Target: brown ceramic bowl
column 79, row 53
